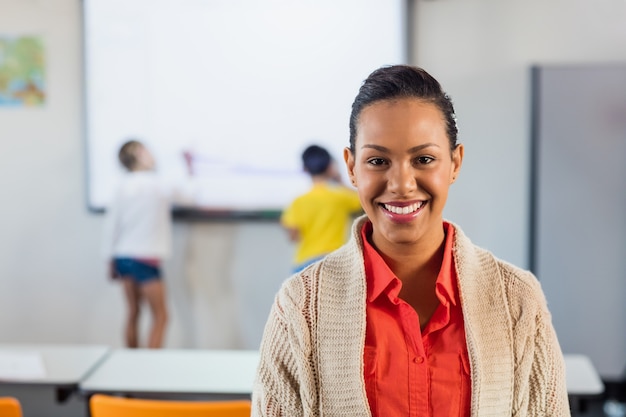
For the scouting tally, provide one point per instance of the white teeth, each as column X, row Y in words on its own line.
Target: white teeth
column 403, row 210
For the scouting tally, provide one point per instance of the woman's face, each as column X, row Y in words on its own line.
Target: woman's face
column 402, row 167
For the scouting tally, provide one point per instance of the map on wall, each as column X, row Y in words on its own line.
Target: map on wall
column 22, row 70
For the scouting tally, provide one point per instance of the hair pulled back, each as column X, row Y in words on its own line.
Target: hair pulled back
column 398, row 82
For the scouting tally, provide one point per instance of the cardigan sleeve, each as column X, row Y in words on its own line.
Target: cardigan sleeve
column 285, row 382
column 548, row 390
column 540, row 367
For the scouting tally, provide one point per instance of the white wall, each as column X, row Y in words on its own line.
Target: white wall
column 52, row 282
column 481, row 51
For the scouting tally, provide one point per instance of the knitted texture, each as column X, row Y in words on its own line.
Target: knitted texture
column 312, row 349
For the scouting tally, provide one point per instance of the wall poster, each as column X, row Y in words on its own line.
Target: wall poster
column 22, row 71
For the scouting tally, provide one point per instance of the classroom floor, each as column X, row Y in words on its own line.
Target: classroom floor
column 615, row 391
column 595, row 409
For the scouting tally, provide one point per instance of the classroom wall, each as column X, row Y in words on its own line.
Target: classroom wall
column 481, row 51
column 222, row 280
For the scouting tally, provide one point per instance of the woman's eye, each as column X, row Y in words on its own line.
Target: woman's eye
column 424, row 160
column 376, row 161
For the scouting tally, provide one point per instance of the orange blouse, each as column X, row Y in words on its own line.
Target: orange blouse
column 409, row 372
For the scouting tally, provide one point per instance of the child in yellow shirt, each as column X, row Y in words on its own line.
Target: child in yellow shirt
column 319, row 220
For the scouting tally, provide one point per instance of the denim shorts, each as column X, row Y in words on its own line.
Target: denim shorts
column 138, row 271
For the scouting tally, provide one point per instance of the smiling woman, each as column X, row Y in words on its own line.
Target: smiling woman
column 409, row 317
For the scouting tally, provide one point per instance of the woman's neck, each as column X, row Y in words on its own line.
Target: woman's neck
column 416, row 261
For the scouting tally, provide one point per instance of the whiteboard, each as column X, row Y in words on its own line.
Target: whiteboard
column 245, row 85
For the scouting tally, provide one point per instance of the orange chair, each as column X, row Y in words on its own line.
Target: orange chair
column 10, row 407
column 101, row 405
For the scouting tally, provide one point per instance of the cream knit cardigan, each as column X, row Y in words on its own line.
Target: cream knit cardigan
column 312, row 350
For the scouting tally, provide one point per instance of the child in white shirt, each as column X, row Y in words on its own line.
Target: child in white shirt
column 138, row 234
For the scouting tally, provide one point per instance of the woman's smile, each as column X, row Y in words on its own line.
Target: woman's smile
column 402, row 212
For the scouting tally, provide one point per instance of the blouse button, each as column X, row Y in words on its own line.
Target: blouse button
column 419, row 359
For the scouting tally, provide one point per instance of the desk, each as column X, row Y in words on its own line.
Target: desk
column 50, row 393
column 175, row 373
column 64, row 365
column 582, row 378
column 227, row 374
column 582, row 381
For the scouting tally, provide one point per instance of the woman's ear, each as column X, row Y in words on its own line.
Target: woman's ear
column 457, row 161
column 348, row 157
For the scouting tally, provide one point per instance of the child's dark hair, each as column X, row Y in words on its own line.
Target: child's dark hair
column 403, row 81
column 316, row 159
column 128, row 154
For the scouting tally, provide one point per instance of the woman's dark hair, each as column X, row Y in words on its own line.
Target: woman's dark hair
column 402, row 81
column 316, row 159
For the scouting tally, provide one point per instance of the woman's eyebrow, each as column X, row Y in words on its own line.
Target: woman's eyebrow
column 376, row 147
column 420, row 147
column 410, row 150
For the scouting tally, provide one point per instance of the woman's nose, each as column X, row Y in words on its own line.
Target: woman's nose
column 401, row 179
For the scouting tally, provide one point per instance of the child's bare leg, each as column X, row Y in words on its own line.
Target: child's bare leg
column 154, row 292
column 132, row 319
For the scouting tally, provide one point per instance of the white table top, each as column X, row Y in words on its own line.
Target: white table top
column 582, row 377
column 62, row 364
column 191, row 370
column 174, row 371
